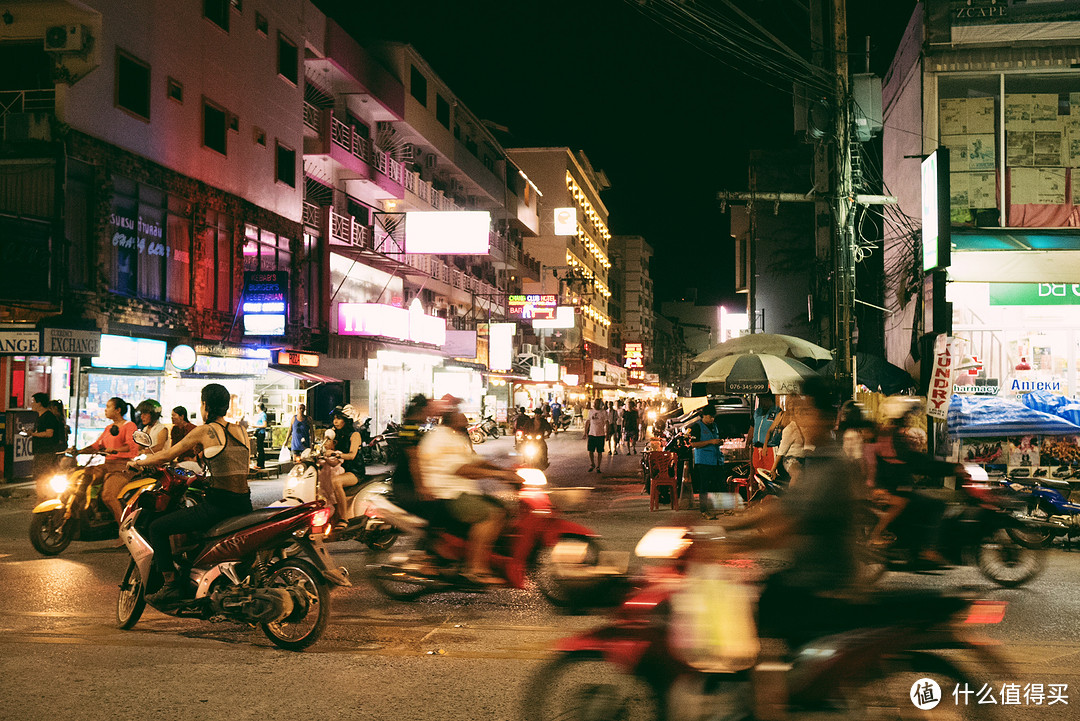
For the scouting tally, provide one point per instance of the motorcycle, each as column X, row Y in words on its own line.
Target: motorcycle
column 534, row 451
column 302, row 486
column 249, row 569
column 647, row 661
column 477, row 434
column 490, row 427
column 1047, row 511
column 429, row 560
column 563, row 423
column 78, row 512
column 974, row 532
column 756, row 486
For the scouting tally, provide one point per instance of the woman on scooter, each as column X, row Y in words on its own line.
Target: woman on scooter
column 228, row 494
column 333, row 484
column 119, row 448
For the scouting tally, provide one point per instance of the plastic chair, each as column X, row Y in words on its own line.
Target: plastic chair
column 662, row 472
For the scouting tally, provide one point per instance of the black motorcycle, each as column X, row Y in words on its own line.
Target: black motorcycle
column 489, row 427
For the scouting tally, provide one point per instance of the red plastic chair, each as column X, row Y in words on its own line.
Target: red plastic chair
column 662, row 473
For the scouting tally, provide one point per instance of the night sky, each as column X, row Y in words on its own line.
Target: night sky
column 668, row 124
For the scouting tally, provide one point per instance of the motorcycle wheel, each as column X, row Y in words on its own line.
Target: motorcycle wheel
column 132, row 599
column 887, row 692
column 49, row 533
column 545, row 571
column 1005, row 562
column 311, row 599
column 385, row 580
column 477, row 437
column 582, row 686
column 1032, row 536
column 381, row 540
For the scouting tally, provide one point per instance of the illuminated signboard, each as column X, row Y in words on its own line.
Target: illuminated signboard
column 296, row 358
column 501, row 346
column 266, row 297
column 633, row 355
column 529, row 307
column 377, row 319
column 564, row 318
column 119, row 351
column 566, row 221
column 936, row 211
column 444, row 232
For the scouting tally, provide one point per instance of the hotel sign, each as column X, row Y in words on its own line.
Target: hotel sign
column 533, row 307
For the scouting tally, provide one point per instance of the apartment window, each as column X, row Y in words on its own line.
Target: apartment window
column 174, row 89
column 260, row 136
column 217, row 12
column 132, row 84
column 214, row 126
column 286, row 165
column 264, row 250
column 310, row 294
column 262, row 24
column 78, row 199
column 418, row 86
column 216, row 262
column 442, row 111
column 288, row 60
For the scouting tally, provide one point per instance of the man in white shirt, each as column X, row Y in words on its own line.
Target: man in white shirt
column 451, row 473
column 596, row 428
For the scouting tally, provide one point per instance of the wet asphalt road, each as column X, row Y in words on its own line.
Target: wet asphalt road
column 443, row 657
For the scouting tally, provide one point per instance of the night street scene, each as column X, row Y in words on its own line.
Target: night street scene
column 611, row 360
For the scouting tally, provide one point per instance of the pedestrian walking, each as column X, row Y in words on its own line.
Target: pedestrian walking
column 596, row 429
column 299, row 432
column 630, row 423
column 708, row 470
column 260, row 425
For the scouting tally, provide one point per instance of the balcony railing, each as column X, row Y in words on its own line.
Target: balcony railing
column 27, row 101
column 312, row 115
column 348, row 139
column 310, row 215
column 344, row 230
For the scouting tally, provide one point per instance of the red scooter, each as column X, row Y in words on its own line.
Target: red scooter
column 268, row 567
column 429, row 560
column 637, row 666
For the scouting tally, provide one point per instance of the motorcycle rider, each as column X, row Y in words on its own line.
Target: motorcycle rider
column 228, row 493
column 119, row 447
column 148, row 414
column 538, row 425
column 522, row 420
column 350, row 444
column 451, row 473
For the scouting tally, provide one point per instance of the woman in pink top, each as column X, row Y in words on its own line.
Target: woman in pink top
column 116, row 441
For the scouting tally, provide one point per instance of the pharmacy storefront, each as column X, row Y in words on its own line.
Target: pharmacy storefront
column 1026, row 336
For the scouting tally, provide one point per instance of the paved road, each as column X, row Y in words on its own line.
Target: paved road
column 445, row 657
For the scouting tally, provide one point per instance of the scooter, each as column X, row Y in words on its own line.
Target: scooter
column 665, row 649
column 477, row 434
column 563, row 423
column 78, row 512
column 755, row 486
column 975, row 532
column 1047, row 513
column 429, row 560
column 534, row 451
column 490, row 427
column 268, row 567
column 302, row 486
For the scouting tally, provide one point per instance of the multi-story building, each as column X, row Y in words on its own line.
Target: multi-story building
column 632, row 256
column 573, row 248
column 151, row 156
column 1000, row 92
column 386, row 137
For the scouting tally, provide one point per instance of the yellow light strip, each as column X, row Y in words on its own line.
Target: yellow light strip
column 586, row 207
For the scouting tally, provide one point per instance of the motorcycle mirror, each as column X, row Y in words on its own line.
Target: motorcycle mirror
column 143, row 439
column 330, row 434
column 212, row 451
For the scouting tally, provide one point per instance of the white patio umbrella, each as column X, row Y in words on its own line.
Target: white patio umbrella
column 755, row 373
column 772, row 343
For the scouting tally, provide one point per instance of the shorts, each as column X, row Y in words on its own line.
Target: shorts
column 596, row 443
column 472, row 507
column 631, row 435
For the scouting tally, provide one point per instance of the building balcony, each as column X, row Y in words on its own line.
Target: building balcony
column 426, row 193
column 354, row 155
column 27, row 115
column 470, row 288
column 344, row 231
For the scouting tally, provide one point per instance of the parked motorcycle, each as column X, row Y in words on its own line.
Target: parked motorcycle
column 1047, row 511
column 646, row 661
column 755, row 485
column 429, row 559
column 975, row 532
column 477, row 434
column 302, row 486
column 490, row 427
column 268, row 567
column 78, row 512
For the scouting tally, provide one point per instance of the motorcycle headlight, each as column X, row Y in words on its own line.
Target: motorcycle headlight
column 58, row 483
column 532, row 477
column 663, row 542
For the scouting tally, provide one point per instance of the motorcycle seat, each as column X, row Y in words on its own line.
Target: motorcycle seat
column 1061, row 486
column 231, row 525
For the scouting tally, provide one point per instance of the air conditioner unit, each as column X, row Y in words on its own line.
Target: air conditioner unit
column 411, row 152
column 430, row 160
column 65, row 38
column 527, row 349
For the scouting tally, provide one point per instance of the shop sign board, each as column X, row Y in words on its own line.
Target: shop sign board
column 941, row 380
column 448, row 232
column 378, row 319
column 501, row 345
column 232, row 351
column 20, row 342
column 616, row 375
column 266, row 302
column 296, row 358
column 230, row 366
column 564, row 318
column 61, row 341
column 1028, row 385
column 183, row 357
column 119, row 351
column 535, row 306
column 461, row 343
column 1034, row 293
column 633, row 355
column 973, row 389
column 936, row 211
column 566, row 221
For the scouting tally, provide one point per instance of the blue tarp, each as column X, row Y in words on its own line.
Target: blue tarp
column 1054, row 404
column 980, row 417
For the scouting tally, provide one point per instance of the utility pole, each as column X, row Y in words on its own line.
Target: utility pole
column 844, row 199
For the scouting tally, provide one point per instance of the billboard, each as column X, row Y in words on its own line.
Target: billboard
column 566, row 221
column 936, row 211
column 633, row 355
column 461, row 343
column 448, row 232
column 266, row 297
column 530, row 307
column 564, row 318
column 378, row 319
column 501, row 346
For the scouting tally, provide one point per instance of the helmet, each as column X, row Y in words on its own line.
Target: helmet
column 895, row 408
column 149, row 406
